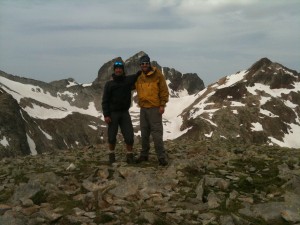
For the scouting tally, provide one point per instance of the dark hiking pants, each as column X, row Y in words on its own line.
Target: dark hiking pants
column 120, row 119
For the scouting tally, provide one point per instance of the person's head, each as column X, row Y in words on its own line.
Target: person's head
column 118, row 68
column 145, row 63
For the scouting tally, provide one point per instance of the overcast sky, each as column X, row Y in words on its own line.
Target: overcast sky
column 58, row 39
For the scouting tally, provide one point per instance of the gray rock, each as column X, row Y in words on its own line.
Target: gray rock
column 4, row 208
column 213, row 201
column 226, row 220
column 25, row 191
column 199, row 190
column 149, row 216
column 291, row 216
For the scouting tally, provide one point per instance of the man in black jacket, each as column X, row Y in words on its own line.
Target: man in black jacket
column 116, row 102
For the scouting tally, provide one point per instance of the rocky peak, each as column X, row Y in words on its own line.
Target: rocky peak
column 105, row 71
column 178, row 82
column 260, row 64
column 132, row 64
column 270, row 73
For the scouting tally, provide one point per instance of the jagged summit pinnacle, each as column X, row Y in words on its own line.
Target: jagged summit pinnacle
column 263, row 62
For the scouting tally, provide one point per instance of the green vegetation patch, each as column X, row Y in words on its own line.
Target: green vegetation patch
column 20, row 178
column 5, row 195
column 39, row 197
column 104, row 218
column 66, row 202
column 160, row 222
column 264, row 178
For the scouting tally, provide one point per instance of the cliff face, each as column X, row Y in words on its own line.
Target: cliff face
column 12, row 127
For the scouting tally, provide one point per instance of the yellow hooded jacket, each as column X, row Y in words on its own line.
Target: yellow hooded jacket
column 152, row 89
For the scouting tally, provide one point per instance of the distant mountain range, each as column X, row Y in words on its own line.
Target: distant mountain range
column 258, row 105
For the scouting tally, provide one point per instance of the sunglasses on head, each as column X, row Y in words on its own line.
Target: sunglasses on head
column 118, row 64
column 144, row 63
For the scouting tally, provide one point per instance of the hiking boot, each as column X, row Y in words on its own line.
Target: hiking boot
column 112, row 158
column 129, row 158
column 142, row 158
column 162, row 162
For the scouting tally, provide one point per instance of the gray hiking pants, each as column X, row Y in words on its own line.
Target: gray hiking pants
column 151, row 123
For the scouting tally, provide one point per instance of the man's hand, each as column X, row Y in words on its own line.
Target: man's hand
column 161, row 109
column 107, row 119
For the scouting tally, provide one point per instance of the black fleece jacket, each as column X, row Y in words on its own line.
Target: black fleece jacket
column 117, row 93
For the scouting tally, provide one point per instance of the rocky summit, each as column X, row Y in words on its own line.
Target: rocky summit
column 204, row 183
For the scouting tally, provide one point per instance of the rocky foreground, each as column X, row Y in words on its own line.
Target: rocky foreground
column 204, row 183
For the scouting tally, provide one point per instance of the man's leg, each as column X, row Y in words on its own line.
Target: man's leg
column 127, row 132
column 157, row 134
column 112, row 134
column 145, row 135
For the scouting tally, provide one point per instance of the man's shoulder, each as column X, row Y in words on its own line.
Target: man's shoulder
column 157, row 71
column 109, row 83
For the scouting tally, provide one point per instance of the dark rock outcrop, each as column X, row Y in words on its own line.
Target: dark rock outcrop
column 272, row 74
column 180, row 82
column 12, row 127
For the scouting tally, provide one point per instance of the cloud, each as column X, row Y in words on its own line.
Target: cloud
column 47, row 40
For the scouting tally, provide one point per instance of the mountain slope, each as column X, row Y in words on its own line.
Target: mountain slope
column 258, row 105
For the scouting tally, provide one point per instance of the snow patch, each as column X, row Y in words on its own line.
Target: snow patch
column 93, row 127
column 4, row 141
column 256, row 127
column 48, row 136
column 32, row 145
column 209, row 135
column 232, row 79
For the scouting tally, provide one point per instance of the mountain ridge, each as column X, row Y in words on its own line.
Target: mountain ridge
column 64, row 114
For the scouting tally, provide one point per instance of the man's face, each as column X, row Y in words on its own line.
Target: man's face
column 118, row 71
column 145, row 66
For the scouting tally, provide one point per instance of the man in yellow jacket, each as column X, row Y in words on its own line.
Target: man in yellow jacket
column 153, row 94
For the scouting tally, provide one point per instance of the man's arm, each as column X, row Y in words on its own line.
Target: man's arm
column 163, row 91
column 105, row 101
column 133, row 78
